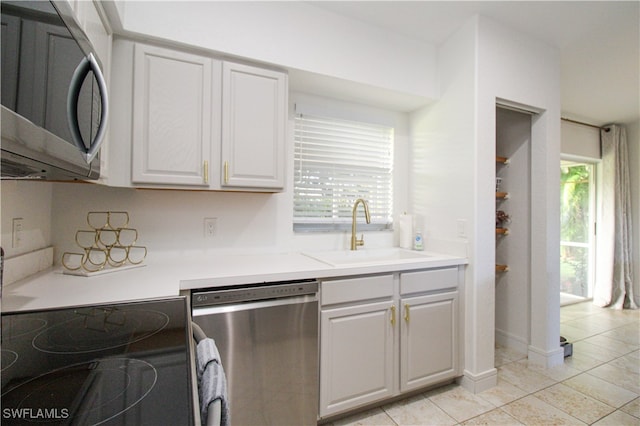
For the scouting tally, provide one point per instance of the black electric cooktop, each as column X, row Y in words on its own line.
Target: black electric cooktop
column 121, row 364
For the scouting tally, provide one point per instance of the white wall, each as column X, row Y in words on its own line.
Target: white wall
column 526, row 72
column 30, row 201
column 171, row 220
column 442, row 152
column 293, row 35
column 443, row 168
column 633, row 141
column 454, row 177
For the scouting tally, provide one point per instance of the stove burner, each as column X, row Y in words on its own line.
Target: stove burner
column 100, row 329
column 15, row 328
column 8, row 358
column 88, row 393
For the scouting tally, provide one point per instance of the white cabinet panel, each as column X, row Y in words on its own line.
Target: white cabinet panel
column 254, row 106
column 429, row 280
column 353, row 289
column 356, row 360
column 195, row 126
column 172, row 117
column 428, row 339
column 376, row 343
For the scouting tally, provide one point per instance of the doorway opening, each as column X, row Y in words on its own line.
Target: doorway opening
column 577, row 231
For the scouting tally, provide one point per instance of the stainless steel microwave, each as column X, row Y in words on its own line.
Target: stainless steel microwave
column 54, row 96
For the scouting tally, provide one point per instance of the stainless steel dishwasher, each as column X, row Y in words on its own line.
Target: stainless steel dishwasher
column 267, row 336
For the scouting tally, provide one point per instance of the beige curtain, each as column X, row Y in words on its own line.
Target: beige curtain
column 614, row 268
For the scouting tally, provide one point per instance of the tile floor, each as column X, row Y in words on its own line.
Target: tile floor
column 599, row 384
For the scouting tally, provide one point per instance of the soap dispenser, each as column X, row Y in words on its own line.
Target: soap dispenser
column 418, row 243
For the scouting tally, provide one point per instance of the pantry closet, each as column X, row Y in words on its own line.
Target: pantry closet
column 513, row 229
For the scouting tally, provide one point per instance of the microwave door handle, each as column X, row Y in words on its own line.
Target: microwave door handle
column 87, row 64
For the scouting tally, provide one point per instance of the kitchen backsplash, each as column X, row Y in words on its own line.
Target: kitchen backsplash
column 174, row 220
column 30, row 203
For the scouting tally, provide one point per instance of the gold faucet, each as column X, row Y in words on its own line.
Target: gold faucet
column 355, row 242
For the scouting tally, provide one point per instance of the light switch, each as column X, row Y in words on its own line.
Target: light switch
column 462, row 228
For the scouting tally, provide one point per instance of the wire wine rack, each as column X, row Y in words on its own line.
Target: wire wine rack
column 108, row 245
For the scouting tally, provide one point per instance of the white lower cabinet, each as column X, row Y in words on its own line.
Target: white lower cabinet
column 428, row 339
column 356, row 355
column 376, row 342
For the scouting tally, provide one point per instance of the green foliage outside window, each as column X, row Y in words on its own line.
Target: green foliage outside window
column 574, row 210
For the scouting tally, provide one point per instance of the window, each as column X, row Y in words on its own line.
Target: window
column 577, row 226
column 337, row 162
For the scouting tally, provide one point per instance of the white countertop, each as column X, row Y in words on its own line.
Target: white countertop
column 165, row 275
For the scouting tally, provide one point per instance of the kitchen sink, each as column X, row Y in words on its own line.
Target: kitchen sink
column 367, row 256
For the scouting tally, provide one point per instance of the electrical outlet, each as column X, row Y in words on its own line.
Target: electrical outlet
column 16, row 232
column 210, row 224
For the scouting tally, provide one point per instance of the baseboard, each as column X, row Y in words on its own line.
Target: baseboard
column 477, row 383
column 546, row 359
column 510, row 341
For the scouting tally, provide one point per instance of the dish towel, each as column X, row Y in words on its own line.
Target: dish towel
column 207, row 352
column 212, row 381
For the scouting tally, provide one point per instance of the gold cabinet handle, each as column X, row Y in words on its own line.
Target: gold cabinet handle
column 406, row 312
column 226, row 172
column 393, row 315
column 206, row 172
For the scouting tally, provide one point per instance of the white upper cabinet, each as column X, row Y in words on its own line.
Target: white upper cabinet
column 254, row 108
column 196, row 122
column 172, row 117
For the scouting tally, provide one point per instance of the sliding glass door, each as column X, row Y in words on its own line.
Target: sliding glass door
column 577, row 231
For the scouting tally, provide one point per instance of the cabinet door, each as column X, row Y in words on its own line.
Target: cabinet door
column 356, row 356
column 254, row 106
column 172, row 117
column 428, row 341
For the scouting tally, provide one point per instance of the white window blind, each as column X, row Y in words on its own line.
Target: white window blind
column 337, row 162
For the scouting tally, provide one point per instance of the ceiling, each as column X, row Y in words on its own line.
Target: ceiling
column 599, row 42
